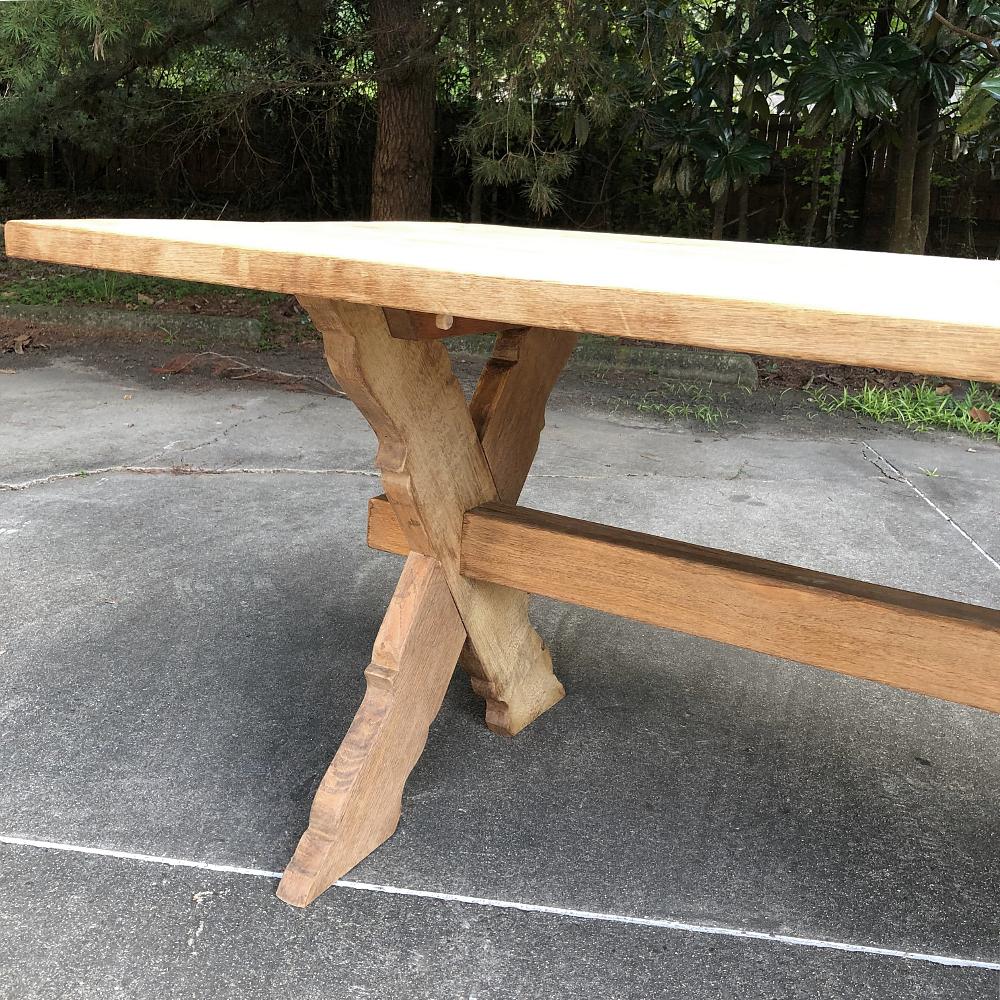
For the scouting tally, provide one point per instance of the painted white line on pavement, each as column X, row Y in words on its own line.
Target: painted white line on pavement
column 930, row 503
column 507, row 904
column 104, row 852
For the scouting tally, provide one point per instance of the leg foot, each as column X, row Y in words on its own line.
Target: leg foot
column 358, row 803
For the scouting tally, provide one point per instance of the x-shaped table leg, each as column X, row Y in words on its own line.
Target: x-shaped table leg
column 439, row 457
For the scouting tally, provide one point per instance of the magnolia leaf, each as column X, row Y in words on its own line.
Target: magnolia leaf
column 980, row 415
column 581, row 127
column 975, row 114
column 664, row 177
column 991, row 85
column 566, row 129
column 684, row 178
column 719, row 188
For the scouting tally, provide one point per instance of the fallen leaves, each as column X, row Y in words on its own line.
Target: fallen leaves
column 17, row 342
column 8, row 371
column 229, row 367
column 175, row 365
column 980, row 415
column 944, row 390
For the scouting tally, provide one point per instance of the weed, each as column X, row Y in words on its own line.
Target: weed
column 920, row 407
column 268, row 332
column 99, row 287
column 706, row 413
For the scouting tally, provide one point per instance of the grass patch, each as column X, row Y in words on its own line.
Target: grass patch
column 920, row 407
column 701, row 409
column 108, row 287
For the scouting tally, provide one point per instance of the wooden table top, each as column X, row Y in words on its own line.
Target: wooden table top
column 923, row 314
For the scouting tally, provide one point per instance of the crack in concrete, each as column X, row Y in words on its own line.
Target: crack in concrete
column 182, row 470
column 225, row 431
column 891, row 472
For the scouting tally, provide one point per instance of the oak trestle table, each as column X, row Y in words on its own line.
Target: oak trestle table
column 383, row 296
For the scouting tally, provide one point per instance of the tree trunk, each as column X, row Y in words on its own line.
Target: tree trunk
column 918, row 141
column 719, row 217
column 906, row 162
column 858, row 172
column 404, row 139
column 836, row 178
column 919, row 133
column 476, row 187
column 923, row 170
column 743, row 217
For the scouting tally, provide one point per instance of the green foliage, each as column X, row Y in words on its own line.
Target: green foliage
column 98, row 287
column 846, row 79
column 545, row 98
column 920, row 407
column 652, row 402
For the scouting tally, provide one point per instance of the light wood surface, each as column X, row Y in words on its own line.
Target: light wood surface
column 357, row 806
column 433, row 469
column 404, row 324
column 508, row 413
column 924, row 314
column 926, row 644
column 508, row 406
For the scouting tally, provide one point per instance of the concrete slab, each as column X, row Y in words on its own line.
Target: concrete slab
column 182, row 654
column 95, row 929
column 185, row 653
column 70, row 416
column 962, row 481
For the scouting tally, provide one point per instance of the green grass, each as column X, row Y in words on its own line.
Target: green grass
column 107, row 287
column 918, row 407
column 702, row 409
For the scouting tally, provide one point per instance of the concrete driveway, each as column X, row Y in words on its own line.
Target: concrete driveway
column 180, row 655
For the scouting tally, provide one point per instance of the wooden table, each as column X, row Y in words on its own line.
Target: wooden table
column 384, row 295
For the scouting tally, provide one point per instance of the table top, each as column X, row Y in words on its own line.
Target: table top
column 924, row 314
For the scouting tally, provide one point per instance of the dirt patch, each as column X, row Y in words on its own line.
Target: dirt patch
column 787, row 373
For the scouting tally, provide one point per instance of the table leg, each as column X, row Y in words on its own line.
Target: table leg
column 358, row 803
column 434, row 468
column 508, row 412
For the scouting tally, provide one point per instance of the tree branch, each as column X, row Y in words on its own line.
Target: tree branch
column 990, row 43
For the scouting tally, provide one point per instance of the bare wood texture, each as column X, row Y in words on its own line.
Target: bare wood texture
column 508, row 412
column 926, row 644
column 433, row 470
column 358, row 803
column 851, row 307
column 384, row 530
column 407, row 325
column 508, row 406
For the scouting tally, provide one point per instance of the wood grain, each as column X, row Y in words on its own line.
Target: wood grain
column 433, row 469
column 357, row 806
column 508, row 413
column 933, row 646
column 851, row 307
column 407, row 325
column 508, row 406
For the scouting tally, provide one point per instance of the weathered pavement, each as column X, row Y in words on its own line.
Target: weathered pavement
column 181, row 654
